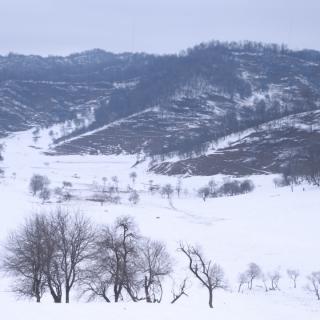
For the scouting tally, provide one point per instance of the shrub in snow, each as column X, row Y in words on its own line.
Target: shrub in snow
column 246, row 186
column 37, row 183
column 45, row 194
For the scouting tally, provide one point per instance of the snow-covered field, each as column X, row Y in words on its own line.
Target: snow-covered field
column 276, row 228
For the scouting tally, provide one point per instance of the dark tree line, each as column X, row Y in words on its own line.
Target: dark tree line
column 302, row 168
column 228, row 188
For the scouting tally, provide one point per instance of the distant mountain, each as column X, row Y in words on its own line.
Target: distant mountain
column 37, row 91
column 167, row 106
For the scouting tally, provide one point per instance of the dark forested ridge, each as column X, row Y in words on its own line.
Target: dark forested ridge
column 161, row 105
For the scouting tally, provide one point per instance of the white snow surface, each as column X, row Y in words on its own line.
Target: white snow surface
column 276, row 228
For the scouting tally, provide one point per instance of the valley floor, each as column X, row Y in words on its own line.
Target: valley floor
column 274, row 227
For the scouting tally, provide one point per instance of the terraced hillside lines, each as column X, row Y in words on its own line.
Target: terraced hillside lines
column 160, row 105
column 181, row 102
column 264, row 149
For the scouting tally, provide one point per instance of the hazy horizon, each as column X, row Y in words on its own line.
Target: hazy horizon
column 57, row 27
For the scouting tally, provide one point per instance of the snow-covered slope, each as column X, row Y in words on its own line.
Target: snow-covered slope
column 276, row 228
column 263, row 149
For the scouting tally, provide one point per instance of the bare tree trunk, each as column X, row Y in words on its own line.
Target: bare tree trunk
column 67, row 294
column 210, row 298
column 56, row 298
column 146, row 289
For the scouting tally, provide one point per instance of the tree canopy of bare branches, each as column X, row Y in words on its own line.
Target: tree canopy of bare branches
column 25, row 258
column 155, row 264
column 49, row 252
column 209, row 274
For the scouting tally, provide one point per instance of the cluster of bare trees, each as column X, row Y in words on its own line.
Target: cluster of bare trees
column 227, row 188
column 106, row 192
column 56, row 252
column 167, row 190
column 48, row 253
column 301, row 168
column 39, row 186
column 270, row 280
column 110, row 191
column 125, row 264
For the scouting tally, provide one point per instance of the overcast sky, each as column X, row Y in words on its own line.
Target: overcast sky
column 159, row 26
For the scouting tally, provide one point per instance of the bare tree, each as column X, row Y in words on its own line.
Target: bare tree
column 52, row 269
column 179, row 187
column 38, row 183
column 312, row 172
column 155, row 265
column 264, row 279
column 181, row 291
column 115, row 180
column 24, row 258
column 314, row 284
column 133, row 176
column 242, row 279
column 117, row 256
column 210, row 275
column 293, row 274
column 167, row 190
column 104, row 180
column 96, row 282
column 75, row 238
column 204, row 193
column 274, row 280
column 134, row 197
column 253, row 272
column 212, row 187
column 1, row 151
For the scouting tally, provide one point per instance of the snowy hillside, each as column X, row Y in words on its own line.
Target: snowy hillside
column 157, row 105
column 267, row 148
column 274, row 227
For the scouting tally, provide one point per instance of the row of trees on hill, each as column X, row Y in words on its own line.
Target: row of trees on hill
column 302, row 168
column 228, row 188
column 109, row 191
